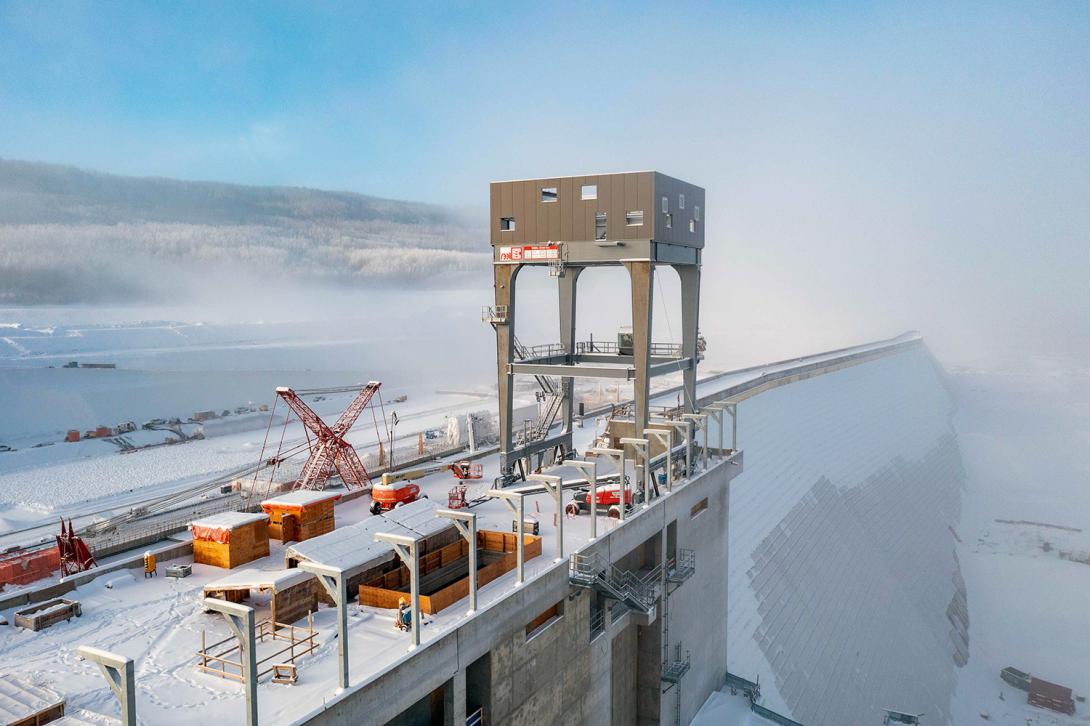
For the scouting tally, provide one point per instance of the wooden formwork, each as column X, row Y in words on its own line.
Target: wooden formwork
column 496, row 552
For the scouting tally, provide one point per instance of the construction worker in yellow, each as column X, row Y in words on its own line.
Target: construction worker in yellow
column 404, row 615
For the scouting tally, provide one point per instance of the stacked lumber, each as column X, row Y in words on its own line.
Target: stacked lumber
column 230, row 539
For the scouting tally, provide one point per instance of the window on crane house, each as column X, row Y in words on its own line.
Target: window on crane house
column 669, row 221
column 665, row 205
column 600, row 226
column 692, row 226
column 681, row 201
column 507, row 224
column 696, row 213
column 548, row 194
column 634, row 219
column 589, row 191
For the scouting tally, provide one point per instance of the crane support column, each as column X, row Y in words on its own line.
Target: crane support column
column 504, row 322
column 568, row 282
column 642, row 274
column 690, row 323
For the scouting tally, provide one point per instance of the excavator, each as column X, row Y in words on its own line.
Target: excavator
column 397, row 488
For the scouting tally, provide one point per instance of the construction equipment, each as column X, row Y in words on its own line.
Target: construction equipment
column 75, row 554
column 329, row 451
column 608, row 500
column 397, row 489
column 385, row 497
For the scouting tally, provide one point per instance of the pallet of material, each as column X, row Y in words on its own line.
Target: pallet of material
column 496, row 556
column 230, row 539
column 50, row 612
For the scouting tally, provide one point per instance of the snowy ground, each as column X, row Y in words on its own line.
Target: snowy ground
column 1024, row 432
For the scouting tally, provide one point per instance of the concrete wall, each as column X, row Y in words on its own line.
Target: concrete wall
column 843, row 574
column 559, row 675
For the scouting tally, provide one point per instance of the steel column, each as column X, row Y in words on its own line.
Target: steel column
column 240, row 618
column 335, row 583
column 505, row 276
column 466, row 523
column 642, row 274
column 590, row 468
column 690, row 326
column 119, row 672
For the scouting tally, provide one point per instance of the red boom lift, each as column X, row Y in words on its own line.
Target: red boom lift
column 329, row 451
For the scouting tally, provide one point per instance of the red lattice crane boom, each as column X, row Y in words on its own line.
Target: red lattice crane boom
column 329, row 451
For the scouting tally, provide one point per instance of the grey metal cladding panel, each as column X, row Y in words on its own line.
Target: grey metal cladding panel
column 667, row 186
column 494, row 206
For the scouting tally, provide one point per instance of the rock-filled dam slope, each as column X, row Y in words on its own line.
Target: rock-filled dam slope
column 846, row 596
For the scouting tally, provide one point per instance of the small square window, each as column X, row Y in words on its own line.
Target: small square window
column 634, row 219
column 696, row 213
column 507, row 224
column 548, row 194
column 665, row 205
column 681, row 201
column 669, row 221
column 589, row 191
column 692, row 225
column 600, row 226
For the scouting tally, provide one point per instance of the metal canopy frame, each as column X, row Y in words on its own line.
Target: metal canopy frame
column 642, row 447
column 240, row 619
column 335, row 582
column 618, row 457
column 666, row 438
column 119, row 672
column 555, row 485
column 466, row 524
column 516, row 502
column 590, row 469
column 408, row 549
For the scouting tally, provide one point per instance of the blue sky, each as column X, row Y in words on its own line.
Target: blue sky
column 847, row 147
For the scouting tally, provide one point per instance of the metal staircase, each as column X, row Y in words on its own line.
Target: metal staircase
column 637, row 591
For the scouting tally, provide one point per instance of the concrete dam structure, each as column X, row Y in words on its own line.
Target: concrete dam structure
column 846, row 596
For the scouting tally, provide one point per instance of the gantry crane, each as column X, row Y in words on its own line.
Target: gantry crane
column 329, row 451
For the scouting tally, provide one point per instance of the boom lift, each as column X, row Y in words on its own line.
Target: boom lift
column 397, row 488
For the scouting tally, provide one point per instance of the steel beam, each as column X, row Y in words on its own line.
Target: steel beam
column 466, row 523
column 577, row 371
column 335, row 582
column 240, row 619
column 119, row 672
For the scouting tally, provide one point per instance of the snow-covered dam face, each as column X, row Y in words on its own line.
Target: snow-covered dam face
column 846, row 596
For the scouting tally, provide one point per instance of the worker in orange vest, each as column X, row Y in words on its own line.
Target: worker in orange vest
column 404, row 615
